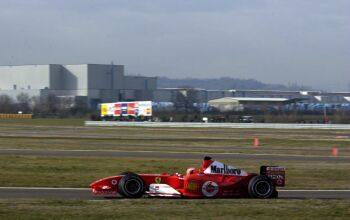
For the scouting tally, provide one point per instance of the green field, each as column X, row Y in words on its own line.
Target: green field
column 52, row 134
column 46, row 171
column 175, row 209
column 81, row 171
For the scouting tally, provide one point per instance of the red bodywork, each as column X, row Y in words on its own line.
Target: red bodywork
column 197, row 183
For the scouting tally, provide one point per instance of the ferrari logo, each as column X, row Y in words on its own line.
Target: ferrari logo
column 158, row 179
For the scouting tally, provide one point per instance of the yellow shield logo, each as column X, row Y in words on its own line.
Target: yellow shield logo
column 158, row 179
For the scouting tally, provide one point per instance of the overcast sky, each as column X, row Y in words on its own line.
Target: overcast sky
column 274, row 41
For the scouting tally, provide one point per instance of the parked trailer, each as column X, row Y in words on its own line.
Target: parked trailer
column 138, row 110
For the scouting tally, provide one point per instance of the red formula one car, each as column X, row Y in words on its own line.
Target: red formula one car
column 213, row 180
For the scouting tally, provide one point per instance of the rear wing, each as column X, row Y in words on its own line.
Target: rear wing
column 277, row 174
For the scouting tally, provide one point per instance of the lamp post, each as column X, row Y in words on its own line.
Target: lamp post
column 325, row 118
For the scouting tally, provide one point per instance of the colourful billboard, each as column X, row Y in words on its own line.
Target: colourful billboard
column 135, row 109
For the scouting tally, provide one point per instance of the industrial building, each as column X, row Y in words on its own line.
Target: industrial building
column 203, row 96
column 237, row 103
column 96, row 83
column 91, row 83
column 237, row 100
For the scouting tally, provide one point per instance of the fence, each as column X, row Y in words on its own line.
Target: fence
column 219, row 125
column 17, row 116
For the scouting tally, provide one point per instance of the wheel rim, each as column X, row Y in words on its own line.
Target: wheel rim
column 132, row 186
column 263, row 188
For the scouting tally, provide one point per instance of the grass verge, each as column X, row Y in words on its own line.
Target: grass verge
column 175, row 209
column 267, row 146
column 81, row 171
column 69, row 134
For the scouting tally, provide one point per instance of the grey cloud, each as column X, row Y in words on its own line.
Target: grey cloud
column 270, row 40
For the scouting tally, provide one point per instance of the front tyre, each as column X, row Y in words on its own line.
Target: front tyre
column 261, row 187
column 131, row 186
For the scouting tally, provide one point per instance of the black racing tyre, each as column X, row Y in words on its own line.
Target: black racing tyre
column 274, row 195
column 261, row 187
column 125, row 173
column 131, row 186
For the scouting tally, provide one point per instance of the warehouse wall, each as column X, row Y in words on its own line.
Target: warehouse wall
column 105, row 76
column 24, row 77
column 75, row 77
column 119, row 77
column 164, row 95
column 96, row 82
column 140, row 82
column 56, row 76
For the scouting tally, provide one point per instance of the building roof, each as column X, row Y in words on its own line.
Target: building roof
column 258, row 99
column 223, row 100
column 251, row 99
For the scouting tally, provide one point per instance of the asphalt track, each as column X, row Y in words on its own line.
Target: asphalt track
column 85, row 194
column 170, row 155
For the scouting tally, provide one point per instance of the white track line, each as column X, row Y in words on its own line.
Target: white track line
column 44, row 188
column 314, row 190
column 83, row 189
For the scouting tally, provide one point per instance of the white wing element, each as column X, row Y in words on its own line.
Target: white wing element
column 162, row 190
column 220, row 168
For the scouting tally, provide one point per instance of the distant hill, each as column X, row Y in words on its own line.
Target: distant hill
column 224, row 83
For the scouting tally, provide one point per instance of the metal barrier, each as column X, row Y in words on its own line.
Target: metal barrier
column 17, row 116
column 218, row 125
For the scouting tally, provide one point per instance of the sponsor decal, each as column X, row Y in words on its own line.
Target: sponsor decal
column 210, row 188
column 221, row 168
column 158, row 179
column 275, row 168
column 103, row 110
column 106, row 187
column 117, row 108
column 114, row 182
column 224, row 170
column 276, row 177
column 192, row 186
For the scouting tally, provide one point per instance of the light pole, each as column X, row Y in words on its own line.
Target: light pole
column 325, row 118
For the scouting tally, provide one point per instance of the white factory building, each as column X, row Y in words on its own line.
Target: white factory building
column 96, row 83
column 93, row 83
column 203, row 96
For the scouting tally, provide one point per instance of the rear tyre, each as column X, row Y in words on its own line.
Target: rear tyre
column 274, row 195
column 131, row 186
column 261, row 187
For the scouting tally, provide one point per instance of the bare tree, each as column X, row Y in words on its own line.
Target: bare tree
column 23, row 102
column 80, row 106
column 45, row 106
column 52, row 104
column 6, row 104
column 35, row 104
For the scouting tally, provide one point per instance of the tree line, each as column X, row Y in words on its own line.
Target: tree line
column 47, row 106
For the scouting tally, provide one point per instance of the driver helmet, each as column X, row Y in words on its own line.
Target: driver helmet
column 190, row 170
